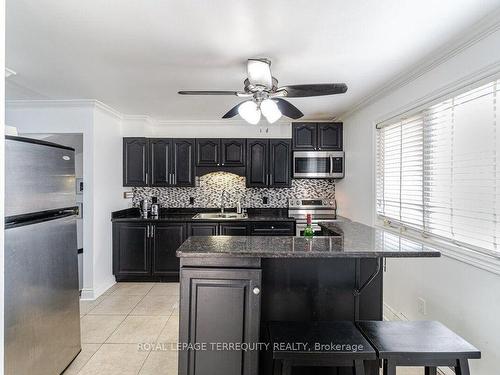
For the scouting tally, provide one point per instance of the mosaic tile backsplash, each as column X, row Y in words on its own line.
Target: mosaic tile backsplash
column 208, row 190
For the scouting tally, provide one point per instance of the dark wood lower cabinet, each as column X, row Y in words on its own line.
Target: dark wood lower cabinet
column 166, row 239
column 219, row 306
column 131, row 256
column 203, row 229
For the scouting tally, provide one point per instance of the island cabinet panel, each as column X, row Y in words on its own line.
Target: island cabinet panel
column 166, row 239
column 135, row 161
column 131, row 256
column 219, row 306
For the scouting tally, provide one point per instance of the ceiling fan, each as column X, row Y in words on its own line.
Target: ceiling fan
column 266, row 98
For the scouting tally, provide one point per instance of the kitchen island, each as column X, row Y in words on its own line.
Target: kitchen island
column 232, row 287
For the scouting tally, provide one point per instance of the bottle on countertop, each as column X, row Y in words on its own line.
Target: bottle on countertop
column 308, row 231
column 144, row 207
column 238, row 207
column 155, row 207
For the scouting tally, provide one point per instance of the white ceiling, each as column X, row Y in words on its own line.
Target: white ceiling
column 135, row 55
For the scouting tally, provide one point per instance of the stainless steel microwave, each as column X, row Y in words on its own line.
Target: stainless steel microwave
column 318, row 164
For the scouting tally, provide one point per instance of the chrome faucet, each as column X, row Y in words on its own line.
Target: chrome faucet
column 222, row 196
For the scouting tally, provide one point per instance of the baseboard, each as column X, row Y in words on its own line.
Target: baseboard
column 87, row 294
column 392, row 314
column 90, row 294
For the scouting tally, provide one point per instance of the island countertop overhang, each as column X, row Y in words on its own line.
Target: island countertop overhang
column 355, row 240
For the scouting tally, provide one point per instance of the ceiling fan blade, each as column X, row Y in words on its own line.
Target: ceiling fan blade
column 301, row 91
column 233, row 111
column 209, row 93
column 259, row 72
column 288, row 109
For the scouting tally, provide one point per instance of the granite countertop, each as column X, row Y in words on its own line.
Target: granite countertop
column 355, row 241
column 133, row 214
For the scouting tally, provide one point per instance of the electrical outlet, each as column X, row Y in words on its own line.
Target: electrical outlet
column 422, row 306
column 191, row 200
column 265, row 200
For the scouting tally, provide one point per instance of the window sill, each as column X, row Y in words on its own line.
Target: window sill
column 490, row 263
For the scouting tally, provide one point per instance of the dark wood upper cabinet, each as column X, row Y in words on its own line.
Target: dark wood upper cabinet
column 166, row 239
column 330, row 136
column 322, row 136
column 135, row 161
column 219, row 305
column 279, row 163
column 207, row 152
column 257, row 162
column 183, row 162
column 233, row 152
column 160, row 161
column 131, row 256
column 305, row 136
column 268, row 163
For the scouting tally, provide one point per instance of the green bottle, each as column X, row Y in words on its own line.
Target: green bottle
column 308, row 231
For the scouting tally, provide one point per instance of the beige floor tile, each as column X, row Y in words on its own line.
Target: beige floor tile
column 88, row 350
column 116, row 305
column 115, row 359
column 132, row 289
column 97, row 328
column 160, row 363
column 165, row 289
column 111, row 289
column 170, row 333
column 86, row 306
column 156, row 305
column 138, row 329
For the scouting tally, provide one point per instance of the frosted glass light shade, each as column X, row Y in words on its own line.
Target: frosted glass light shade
column 270, row 110
column 250, row 112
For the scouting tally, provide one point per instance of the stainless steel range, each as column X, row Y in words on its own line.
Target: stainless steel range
column 321, row 209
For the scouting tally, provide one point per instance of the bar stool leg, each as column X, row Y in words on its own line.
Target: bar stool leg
column 389, row 367
column 359, row 367
column 287, row 368
column 430, row 370
column 462, row 367
column 277, row 366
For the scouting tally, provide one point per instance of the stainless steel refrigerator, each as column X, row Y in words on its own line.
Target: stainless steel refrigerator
column 42, row 317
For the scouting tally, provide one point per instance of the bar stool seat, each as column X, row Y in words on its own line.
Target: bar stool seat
column 421, row 343
column 338, row 344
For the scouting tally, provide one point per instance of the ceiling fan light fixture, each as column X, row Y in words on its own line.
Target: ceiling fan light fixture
column 250, row 112
column 270, row 110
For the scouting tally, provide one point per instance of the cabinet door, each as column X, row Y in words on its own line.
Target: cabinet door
column 233, row 229
column 217, row 306
column 304, row 136
column 160, row 161
column 330, row 136
column 203, row 229
column 183, row 162
column 233, row 152
column 131, row 256
column 135, row 162
column 279, row 163
column 257, row 162
column 207, row 152
column 167, row 237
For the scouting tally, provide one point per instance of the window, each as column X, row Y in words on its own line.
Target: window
column 438, row 170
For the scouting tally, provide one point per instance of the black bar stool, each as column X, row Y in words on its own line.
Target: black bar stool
column 422, row 343
column 338, row 344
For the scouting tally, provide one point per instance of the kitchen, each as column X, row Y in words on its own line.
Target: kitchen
column 183, row 189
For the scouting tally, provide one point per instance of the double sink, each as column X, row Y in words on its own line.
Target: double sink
column 220, row 216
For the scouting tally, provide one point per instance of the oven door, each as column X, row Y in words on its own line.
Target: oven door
column 318, row 164
column 300, row 227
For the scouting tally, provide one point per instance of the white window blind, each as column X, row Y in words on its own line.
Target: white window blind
column 438, row 171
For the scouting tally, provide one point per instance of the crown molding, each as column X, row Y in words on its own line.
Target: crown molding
column 481, row 30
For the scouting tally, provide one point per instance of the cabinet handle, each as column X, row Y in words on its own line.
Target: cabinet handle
column 222, row 164
column 256, row 291
column 147, row 178
column 170, row 178
column 147, row 231
column 152, row 231
column 270, row 178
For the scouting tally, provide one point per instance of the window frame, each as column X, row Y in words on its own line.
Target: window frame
column 477, row 256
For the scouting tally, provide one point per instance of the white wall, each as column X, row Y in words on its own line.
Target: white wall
column 464, row 297
column 2, row 175
column 102, row 150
